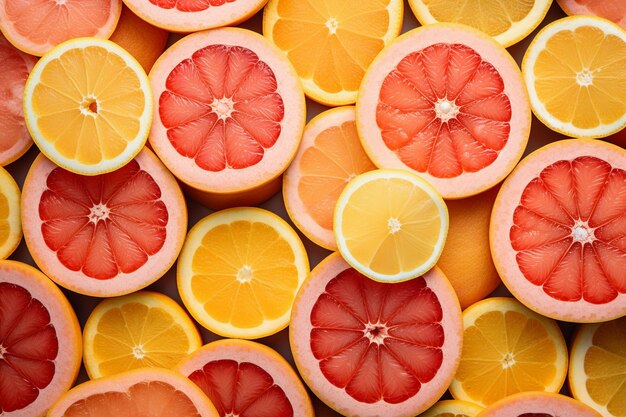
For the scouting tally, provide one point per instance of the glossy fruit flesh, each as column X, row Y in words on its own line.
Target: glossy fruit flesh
column 189, row 5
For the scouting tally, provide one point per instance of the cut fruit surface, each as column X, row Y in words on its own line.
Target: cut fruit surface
column 104, row 235
column 508, row 22
column 613, row 10
column 239, row 272
column 143, row 329
column 244, row 378
column 453, row 408
column 230, row 111
column 10, row 217
column 558, row 231
column 507, row 349
column 37, row 26
column 449, row 103
column 575, row 71
column 328, row 158
column 88, row 106
column 332, row 43
column 362, row 346
column 597, row 368
column 40, row 341
column 538, row 404
column 139, row 393
column 390, row 225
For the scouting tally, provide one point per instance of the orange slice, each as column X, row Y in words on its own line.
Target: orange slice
column 10, row 217
column 453, row 408
column 143, row 329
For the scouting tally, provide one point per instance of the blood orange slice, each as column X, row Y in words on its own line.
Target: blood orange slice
column 538, row 404
column 244, row 378
column 40, row 341
column 558, row 231
column 369, row 348
column 230, row 113
column 104, row 235
column 449, row 103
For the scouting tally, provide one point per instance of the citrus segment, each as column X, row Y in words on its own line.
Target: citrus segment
column 10, row 218
column 538, row 404
column 247, row 378
column 608, row 9
column 37, row 26
column 40, row 341
column 143, row 329
column 104, row 235
column 449, row 103
column 239, row 271
column 88, row 106
column 557, row 231
column 575, row 71
column 390, row 225
column 453, row 408
column 330, row 155
column 331, row 43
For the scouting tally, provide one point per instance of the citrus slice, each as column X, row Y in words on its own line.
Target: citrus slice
column 597, row 367
column 14, row 67
column 146, row 392
column 558, row 231
column 453, row 408
column 239, row 272
column 36, row 26
column 507, row 349
column 187, row 16
column 330, row 155
column 230, row 114
column 40, row 341
column 390, row 225
column 507, row 21
column 575, row 70
column 143, row 329
column 104, row 235
column 332, row 43
column 88, row 106
column 244, row 378
column 613, row 10
column 448, row 102
column 364, row 346
column 10, row 218
column 538, row 404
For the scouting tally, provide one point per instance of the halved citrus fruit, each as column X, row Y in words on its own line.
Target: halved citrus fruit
column 10, row 217
column 453, row 408
column 575, row 71
column 146, row 392
column 597, row 367
column 14, row 67
column 369, row 348
column 230, row 114
column 88, row 106
column 332, row 43
column 244, row 378
column 40, row 341
column 390, row 225
column 143, row 329
column 449, row 103
column 36, row 26
column 558, row 231
column 329, row 156
column 538, row 404
column 104, row 235
column 239, row 272
column 613, row 10
column 507, row 349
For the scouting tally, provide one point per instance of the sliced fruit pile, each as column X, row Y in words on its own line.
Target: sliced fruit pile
column 324, row 210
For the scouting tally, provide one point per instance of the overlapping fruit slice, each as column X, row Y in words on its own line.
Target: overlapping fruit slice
column 538, row 404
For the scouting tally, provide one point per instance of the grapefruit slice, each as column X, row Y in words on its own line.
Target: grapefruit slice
column 230, row 114
column 447, row 102
column 10, row 218
column 14, row 67
column 244, row 378
column 453, row 408
column 558, row 231
column 40, row 342
column 613, row 10
column 138, row 393
column 364, row 346
column 538, row 404
column 36, row 26
column 104, row 235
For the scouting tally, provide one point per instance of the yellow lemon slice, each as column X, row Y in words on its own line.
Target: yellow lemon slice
column 10, row 218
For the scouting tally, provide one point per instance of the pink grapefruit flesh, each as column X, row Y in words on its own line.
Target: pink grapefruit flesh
column 538, row 404
column 612, row 10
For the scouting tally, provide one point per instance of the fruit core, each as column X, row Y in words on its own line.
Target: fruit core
column 89, row 106
column 188, row 5
column 332, row 24
column 584, row 78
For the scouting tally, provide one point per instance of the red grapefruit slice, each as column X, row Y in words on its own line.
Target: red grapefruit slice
column 538, row 404
column 40, row 341
column 449, row 103
column 369, row 348
column 613, row 10
column 558, row 231
column 244, row 378
column 230, row 113
column 108, row 234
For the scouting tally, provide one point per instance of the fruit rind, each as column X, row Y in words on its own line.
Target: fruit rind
column 538, row 402
column 11, row 191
